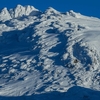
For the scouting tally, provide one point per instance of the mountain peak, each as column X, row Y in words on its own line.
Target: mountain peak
column 4, row 14
column 4, row 10
column 18, row 11
column 19, row 6
column 24, row 10
column 51, row 10
column 73, row 14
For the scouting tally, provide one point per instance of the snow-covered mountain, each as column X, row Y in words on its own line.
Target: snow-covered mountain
column 49, row 55
column 19, row 11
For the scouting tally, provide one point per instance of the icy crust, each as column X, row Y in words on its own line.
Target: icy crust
column 52, row 55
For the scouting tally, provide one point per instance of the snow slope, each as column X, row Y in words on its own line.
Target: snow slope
column 49, row 55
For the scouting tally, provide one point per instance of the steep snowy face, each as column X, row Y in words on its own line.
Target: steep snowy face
column 51, row 10
column 19, row 11
column 4, row 15
column 48, row 52
column 73, row 14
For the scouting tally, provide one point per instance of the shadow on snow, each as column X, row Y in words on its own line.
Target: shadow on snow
column 74, row 93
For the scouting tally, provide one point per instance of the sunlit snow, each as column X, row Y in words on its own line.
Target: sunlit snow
column 49, row 55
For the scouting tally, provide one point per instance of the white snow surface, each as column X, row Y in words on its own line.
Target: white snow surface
column 49, row 55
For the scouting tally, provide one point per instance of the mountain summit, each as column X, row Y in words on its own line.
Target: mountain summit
column 48, row 55
column 19, row 11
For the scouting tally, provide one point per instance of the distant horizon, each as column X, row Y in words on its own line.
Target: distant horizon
column 87, row 8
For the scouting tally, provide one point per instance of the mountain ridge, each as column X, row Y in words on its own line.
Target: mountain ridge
column 49, row 55
column 20, row 11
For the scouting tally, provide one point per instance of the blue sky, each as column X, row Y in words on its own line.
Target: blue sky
column 85, row 7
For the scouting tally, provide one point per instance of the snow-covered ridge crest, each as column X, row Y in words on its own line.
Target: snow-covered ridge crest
column 23, row 10
column 4, row 14
column 51, row 10
column 74, row 14
column 19, row 11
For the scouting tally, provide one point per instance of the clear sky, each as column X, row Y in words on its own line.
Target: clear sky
column 85, row 7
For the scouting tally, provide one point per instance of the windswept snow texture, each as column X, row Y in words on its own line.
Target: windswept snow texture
column 49, row 55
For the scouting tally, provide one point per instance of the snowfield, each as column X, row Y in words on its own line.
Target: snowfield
column 49, row 55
